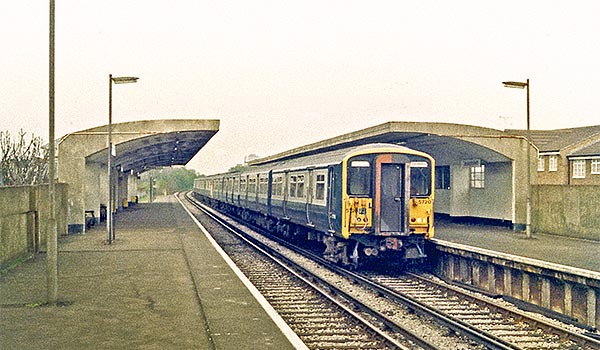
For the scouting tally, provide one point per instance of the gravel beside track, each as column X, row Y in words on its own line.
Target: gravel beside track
column 425, row 328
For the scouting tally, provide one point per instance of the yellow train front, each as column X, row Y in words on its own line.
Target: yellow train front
column 369, row 202
column 384, row 201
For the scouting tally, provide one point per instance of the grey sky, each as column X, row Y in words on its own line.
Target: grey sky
column 281, row 74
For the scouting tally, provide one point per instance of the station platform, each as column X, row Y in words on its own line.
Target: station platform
column 160, row 285
column 568, row 251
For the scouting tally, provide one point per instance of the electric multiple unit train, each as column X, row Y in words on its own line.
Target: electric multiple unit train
column 362, row 203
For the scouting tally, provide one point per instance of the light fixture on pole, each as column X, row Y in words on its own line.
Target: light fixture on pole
column 52, row 233
column 525, row 85
column 111, row 153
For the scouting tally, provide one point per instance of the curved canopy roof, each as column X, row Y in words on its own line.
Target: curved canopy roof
column 143, row 145
column 443, row 141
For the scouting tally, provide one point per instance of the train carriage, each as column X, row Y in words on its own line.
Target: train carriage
column 373, row 201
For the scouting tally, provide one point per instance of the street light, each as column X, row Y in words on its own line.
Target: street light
column 521, row 85
column 109, row 209
column 52, row 233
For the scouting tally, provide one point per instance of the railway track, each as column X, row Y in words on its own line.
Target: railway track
column 484, row 321
column 322, row 315
column 514, row 328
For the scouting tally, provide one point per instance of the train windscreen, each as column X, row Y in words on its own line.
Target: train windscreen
column 359, row 178
column 420, row 178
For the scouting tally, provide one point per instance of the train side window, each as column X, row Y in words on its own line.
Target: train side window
column 243, row 185
column 252, row 184
column 277, row 190
column 320, row 187
column 300, row 186
column 359, row 177
column 292, row 186
column 263, row 185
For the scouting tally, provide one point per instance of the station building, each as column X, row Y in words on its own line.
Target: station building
column 567, row 156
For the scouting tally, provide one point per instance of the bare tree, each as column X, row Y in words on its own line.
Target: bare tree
column 23, row 161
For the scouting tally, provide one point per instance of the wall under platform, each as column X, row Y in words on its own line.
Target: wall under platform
column 567, row 210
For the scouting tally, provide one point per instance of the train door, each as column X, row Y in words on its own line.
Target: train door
column 334, row 198
column 309, row 184
column 269, row 192
column 391, row 194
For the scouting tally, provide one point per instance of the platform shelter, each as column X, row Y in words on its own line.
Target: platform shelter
column 481, row 173
column 138, row 147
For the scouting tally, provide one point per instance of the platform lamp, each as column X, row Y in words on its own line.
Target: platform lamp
column 109, row 210
column 525, row 85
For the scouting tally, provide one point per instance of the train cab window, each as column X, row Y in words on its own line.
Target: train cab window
column 359, row 178
column 420, row 178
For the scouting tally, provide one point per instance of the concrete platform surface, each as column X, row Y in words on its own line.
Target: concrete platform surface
column 160, row 285
column 573, row 252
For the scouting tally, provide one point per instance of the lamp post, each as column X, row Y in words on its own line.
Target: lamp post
column 52, row 233
column 109, row 207
column 525, row 85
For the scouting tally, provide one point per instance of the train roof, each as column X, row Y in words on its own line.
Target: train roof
column 320, row 160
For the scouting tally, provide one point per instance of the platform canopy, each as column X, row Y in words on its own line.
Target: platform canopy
column 157, row 150
column 143, row 145
column 139, row 146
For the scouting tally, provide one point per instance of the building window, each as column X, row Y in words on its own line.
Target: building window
column 579, row 169
column 553, row 163
column 595, row 166
column 541, row 163
column 442, row 177
column 478, row 176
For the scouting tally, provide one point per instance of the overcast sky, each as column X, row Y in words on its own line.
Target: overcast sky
column 281, row 74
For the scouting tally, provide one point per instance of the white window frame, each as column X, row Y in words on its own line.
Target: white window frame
column 297, row 186
column 262, row 185
column 579, row 168
column 541, row 166
column 318, row 173
column 278, row 188
column 553, row 163
column 477, row 176
column 595, row 166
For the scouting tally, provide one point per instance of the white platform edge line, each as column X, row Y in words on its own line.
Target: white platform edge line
column 283, row 326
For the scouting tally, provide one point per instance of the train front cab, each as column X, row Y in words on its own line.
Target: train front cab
column 388, row 203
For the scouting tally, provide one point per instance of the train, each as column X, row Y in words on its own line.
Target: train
column 363, row 203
